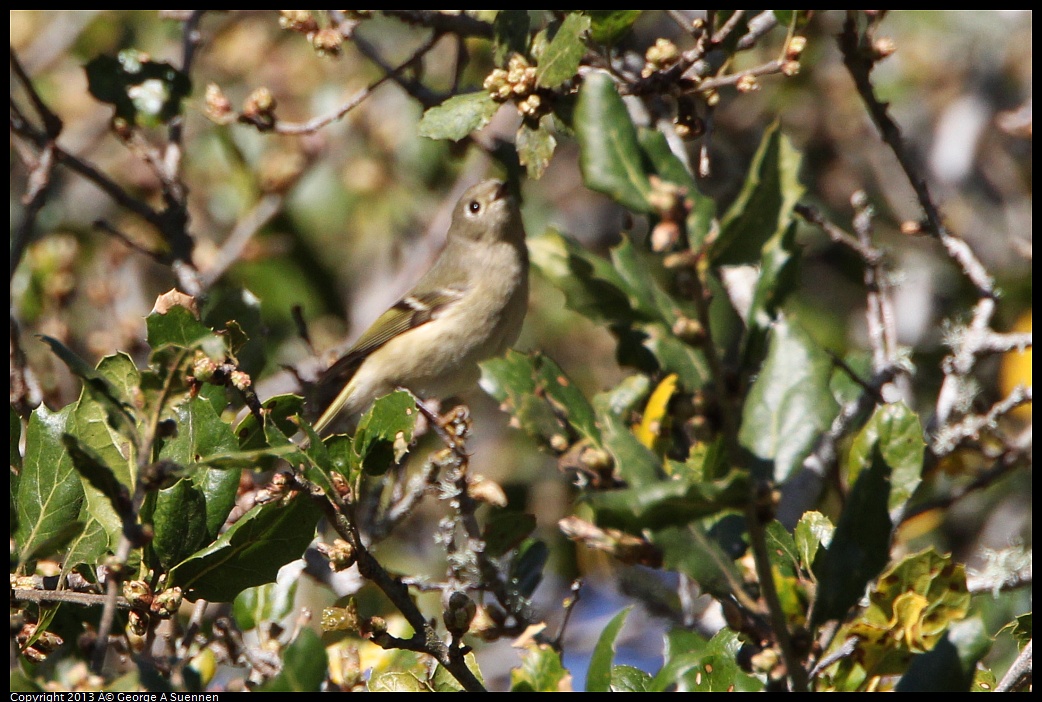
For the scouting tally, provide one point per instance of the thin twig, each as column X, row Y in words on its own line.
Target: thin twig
column 869, row 254
column 1016, row 454
column 1019, row 674
column 859, row 60
column 87, row 599
column 261, row 213
column 313, row 125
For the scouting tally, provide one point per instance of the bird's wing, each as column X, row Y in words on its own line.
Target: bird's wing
column 408, row 313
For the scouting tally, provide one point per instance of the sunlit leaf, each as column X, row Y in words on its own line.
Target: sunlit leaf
column 458, row 116
column 789, row 405
column 599, row 673
column 764, row 205
column 560, row 61
column 610, row 156
column 48, row 495
column 250, row 553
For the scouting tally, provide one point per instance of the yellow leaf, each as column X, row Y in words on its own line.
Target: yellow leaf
column 1016, row 368
column 652, row 425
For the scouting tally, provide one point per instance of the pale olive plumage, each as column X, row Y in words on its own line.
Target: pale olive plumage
column 468, row 307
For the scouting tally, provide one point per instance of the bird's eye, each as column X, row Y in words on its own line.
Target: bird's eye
column 474, row 206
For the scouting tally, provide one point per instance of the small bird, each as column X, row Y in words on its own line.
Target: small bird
column 467, row 308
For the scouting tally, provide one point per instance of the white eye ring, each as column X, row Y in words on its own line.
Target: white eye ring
column 474, row 206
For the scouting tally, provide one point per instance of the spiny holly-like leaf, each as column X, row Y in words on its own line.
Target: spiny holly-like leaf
column 610, row 156
column 49, row 495
column 789, row 404
column 458, row 116
column 105, row 385
column 385, row 432
column 538, row 393
column 598, row 675
column 250, row 553
column 202, row 437
column 178, row 327
column 560, row 60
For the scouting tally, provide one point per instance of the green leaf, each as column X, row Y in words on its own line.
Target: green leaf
column 304, row 665
column 560, row 60
column 813, row 531
column 97, row 473
column 764, row 205
column 535, row 390
column 203, row 440
column 510, row 34
column 598, row 675
column 179, row 521
column 895, row 429
column 541, row 671
column 98, row 383
column 626, row 678
column 237, row 311
column 634, row 462
column 779, row 264
column 860, row 545
column 950, row 666
column 385, row 432
column 608, row 26
column 610, row 156
column 535, row 147
column 49, row 496
column 693, row 551
column 781, row 548
column 397, row 682
column 250, row 553
column 265, row 603
column 591, row 285
column 458, row 116
column 178, row 327
column 280, row 411
column 526, row 570
column 443, row 681
column 505, row 530
column 670, row 168
column 789, row 405
column 692, row 664
column 667, row 503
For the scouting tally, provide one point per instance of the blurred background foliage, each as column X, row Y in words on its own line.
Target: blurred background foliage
column 353, row 212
